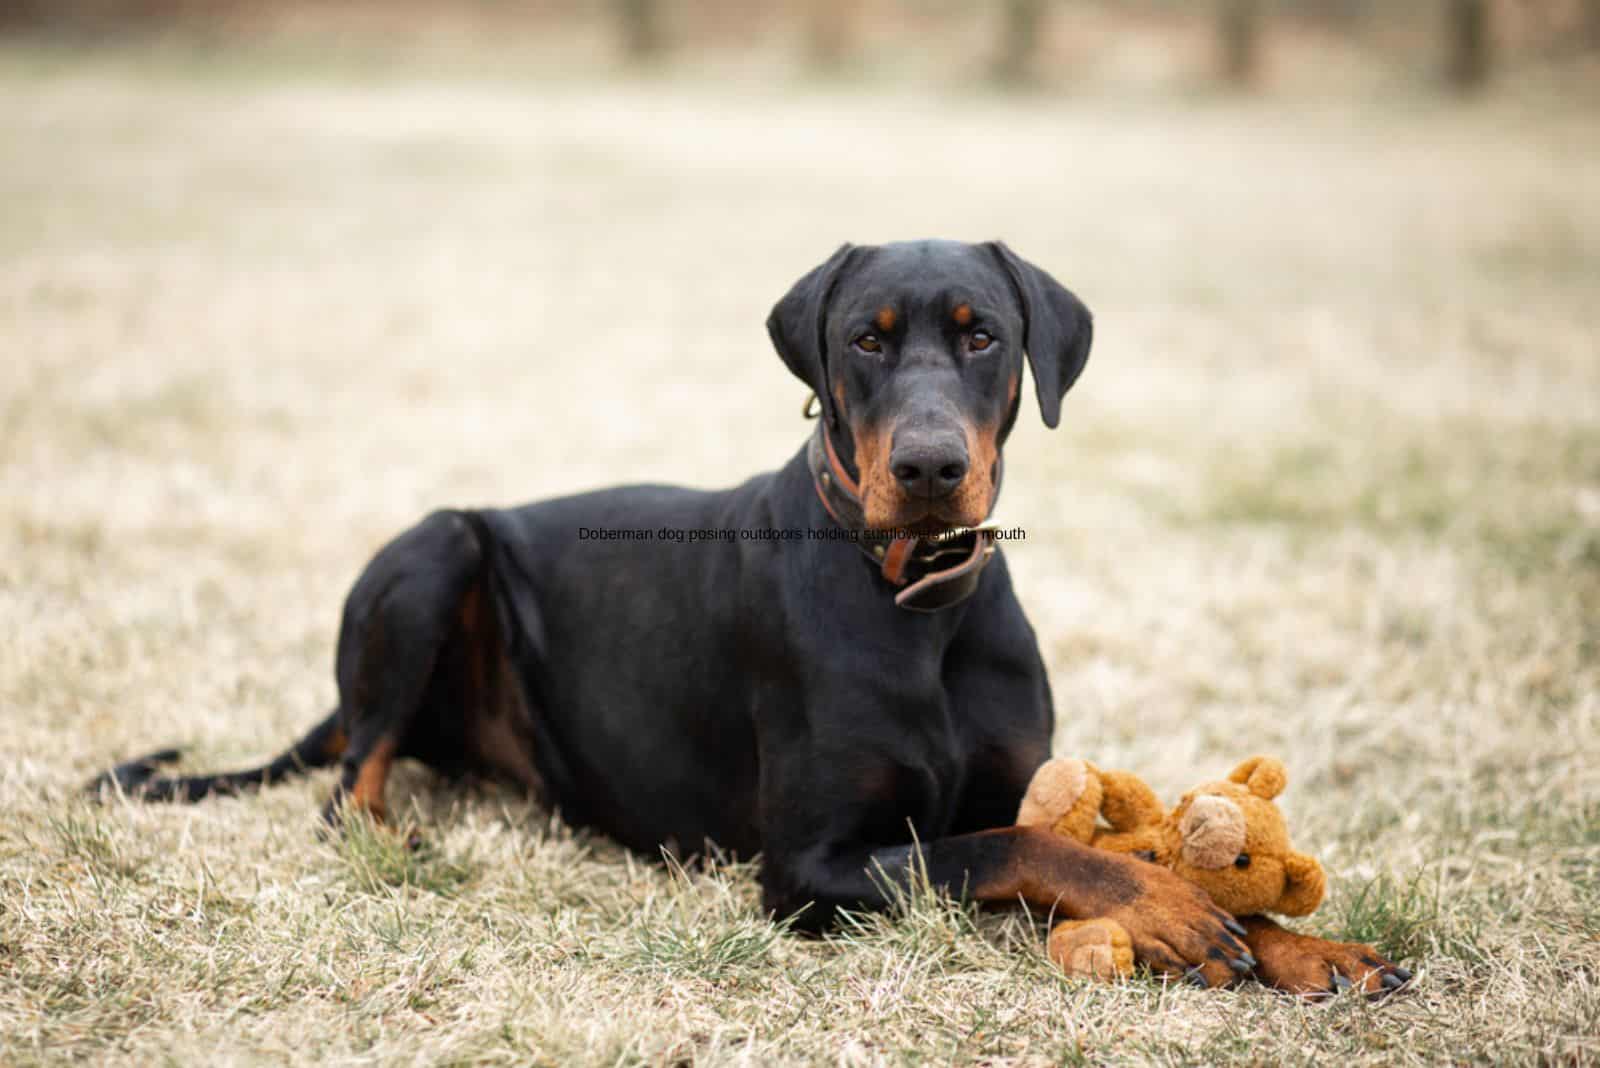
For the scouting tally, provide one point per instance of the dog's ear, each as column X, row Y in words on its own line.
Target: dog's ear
column 798, row 324
column 1057, row 330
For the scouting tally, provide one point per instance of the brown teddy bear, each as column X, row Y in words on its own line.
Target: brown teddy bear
column 1227, row 837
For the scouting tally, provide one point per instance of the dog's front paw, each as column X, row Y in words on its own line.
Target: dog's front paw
column 1092, row 949
column 1317, row 967
column 1174, row 927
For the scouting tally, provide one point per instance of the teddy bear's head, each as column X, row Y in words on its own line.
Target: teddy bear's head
column 1230, row 838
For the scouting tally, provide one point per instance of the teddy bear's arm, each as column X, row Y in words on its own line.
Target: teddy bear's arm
column 1127, row 802
column 1303, row 886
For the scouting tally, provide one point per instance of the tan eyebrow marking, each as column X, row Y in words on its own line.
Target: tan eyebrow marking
column 962, row 314
column 885, row 319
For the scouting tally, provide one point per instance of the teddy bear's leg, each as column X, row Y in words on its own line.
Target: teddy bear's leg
column 1316, row 967
column 1094, row 949
column 1063, row 795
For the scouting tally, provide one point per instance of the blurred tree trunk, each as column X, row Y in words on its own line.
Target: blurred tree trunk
column 1239, row 34
column 1021, row 21
column 639, row 22
column 830, row 25
column 1467, row 42
column 1345, row 13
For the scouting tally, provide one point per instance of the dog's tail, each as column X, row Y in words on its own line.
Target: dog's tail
column 322, row 745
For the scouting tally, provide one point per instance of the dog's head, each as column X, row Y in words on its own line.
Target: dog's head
column 915, row 350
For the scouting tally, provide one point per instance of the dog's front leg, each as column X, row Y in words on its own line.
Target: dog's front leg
column 1174, row 927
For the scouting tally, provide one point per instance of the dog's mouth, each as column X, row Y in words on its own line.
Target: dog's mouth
column 930, row 526
column 920, row 519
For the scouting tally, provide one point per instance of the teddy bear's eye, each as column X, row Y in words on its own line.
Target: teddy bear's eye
column 1242, row 860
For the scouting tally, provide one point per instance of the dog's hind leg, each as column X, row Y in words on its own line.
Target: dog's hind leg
column 399, row 616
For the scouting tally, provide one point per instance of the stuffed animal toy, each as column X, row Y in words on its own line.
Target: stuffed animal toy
column 1227, row 837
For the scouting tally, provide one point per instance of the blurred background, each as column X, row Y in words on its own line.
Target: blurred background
column 1336, row 46
column 276, row 279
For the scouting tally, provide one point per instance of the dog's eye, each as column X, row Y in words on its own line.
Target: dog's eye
column 979, row 340
column 1242, row 860
column 868, row 343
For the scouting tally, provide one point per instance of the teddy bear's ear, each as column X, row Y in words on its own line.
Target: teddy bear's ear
column 1303, row 887
column 1262, row 776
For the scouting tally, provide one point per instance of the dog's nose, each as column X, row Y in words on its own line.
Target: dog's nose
column 929, row 467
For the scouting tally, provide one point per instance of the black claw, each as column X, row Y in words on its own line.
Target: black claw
column 1393, row 982
column 1404, row 974
column 1340, row 983
column 1242, row 965
column 1194, row 978
column 1235, row 926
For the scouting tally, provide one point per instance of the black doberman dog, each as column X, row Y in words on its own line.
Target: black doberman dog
column 824, row 665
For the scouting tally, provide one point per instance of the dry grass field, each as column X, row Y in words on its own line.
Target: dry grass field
column 1330, row 489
